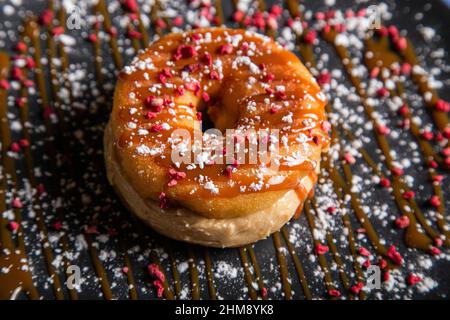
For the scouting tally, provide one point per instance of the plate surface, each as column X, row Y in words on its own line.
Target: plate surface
column 100, row 237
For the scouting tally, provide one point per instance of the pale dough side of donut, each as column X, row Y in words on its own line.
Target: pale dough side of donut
column 182, row 224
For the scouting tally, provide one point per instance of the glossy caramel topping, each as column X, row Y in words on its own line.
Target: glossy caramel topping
column 243, row 81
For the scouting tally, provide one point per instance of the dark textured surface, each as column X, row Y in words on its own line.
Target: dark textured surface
column 106, row 209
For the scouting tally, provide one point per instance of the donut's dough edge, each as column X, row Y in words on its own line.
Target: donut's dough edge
column 182, row 224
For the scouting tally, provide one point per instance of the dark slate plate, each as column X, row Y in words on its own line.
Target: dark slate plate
column 83, row 196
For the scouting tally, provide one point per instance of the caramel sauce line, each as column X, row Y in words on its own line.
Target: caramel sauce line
column 336, row 257
column 247, row 274
column 209, row 274
column 284, row 272
column 100, row 8
column 195, row 283
column 328, row 280
column 258, row 275
column 175, row 273
column 440, row 118
column 297, row 264
column 414, row 239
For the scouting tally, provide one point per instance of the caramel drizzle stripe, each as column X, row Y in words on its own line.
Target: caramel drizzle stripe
column 321, row 257
column 175, row 273
column 336, row 256
column 101, row 9
column 247, row 274
column 195, row 283
column 297, row 264
column 209, row 274
column 425, row 147
column 257, row 271
column 245, row 253
column 284, row 273
column 440, row 118
column 306, row 52
column 383, row 143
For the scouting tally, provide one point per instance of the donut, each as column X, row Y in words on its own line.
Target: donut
column 215, row 136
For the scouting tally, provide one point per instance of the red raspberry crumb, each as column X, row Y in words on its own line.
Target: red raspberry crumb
column 385, row 182
column 159, row 288
column 225, row 49
column 155, row 272
column 321, row 249
column 238, row 16
column 163, row 201
column 58, row 31
column 383, row 130
column 13, row 226
column 408, row 194
column 184, row 52
column 4, row 84
column 178, row 21
column 438, row 242
column 413, row 279
column 394, row 255
column 367, row 263
column 57, row 225
column 156, row 128
column 364, row 252
column 15, row 147
column 334, row 293
column 331, row 209
column 383, row 92
column 382, row 264
column 46, row 17
column 21, row 47
column 396, row 171
column 442, row 105
column 357, row 288
column 205, row 97
column 310, row 36
column 435, row 251
column 435, row 201
column 16, row 203
column 264, row 292
column 324, row 78
column 131, row 5
column 401, row 44
column 125, row 269
column 349, row 158
column 402, row 222
column 92, row 38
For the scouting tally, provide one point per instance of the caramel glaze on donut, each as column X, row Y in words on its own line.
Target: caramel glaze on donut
column 245, row 81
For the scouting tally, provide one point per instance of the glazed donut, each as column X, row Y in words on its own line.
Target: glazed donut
column 213, row 187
